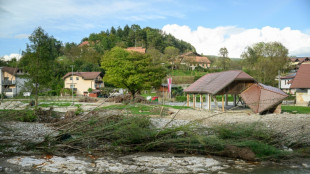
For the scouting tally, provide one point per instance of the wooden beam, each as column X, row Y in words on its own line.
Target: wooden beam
column 223, row 108
column 201, row 101
column 187, row 99
column 226, row 99
column 209, row 102
column 194, row 100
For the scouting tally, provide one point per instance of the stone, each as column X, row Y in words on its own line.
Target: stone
column 305, row 165
column 239, row 152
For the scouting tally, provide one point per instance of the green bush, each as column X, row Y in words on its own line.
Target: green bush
column 28, row 116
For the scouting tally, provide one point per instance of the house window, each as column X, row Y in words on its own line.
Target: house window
column 77, row 78
column 71, row 86
column 71, row 78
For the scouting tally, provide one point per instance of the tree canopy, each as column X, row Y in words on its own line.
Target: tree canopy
column 132, row 70
column 264, row 60
column 38, row 59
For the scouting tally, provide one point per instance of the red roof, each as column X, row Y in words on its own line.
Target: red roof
column 84, row 75
column 302, row 78
column 260, row 97
column 137, row 49
column 194, row 57
column 212, row 83
column 84, row 43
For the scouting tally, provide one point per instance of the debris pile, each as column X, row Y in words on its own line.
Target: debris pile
column 126, row 98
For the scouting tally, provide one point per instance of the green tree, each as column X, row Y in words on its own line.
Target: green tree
column 131, row 70
column 40, row 54
column 264, row 60
column 171, row 53
column 223, row 61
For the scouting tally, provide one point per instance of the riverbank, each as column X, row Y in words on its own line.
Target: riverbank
column 120, row 132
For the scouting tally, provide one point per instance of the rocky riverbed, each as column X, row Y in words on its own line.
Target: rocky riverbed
column 143, row 163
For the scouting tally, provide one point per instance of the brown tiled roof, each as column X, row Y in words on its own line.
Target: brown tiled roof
column 84, row 75
column 9, row 70
column 300, row 59
column 212, row 83
column 84, row 43
column 302, row 78
column 260, row 97
column 201, row 59
column 194, row 57
column 137, row 49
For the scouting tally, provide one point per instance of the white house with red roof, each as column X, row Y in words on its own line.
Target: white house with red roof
column 301, row 83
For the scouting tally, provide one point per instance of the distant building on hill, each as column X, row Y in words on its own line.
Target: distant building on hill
column 194, row 60
column 137, row 49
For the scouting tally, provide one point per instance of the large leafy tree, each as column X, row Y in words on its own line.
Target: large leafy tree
column 39, row 59
column 264, row 60
column 131, row 70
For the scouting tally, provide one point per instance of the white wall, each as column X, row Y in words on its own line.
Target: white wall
column 285, row 84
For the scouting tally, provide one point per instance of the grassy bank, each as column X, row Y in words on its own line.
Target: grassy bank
column 296, row 109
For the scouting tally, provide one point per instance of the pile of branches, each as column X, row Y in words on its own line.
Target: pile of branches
column 126, row 98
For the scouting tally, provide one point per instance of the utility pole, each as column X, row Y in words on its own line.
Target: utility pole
column 279, row 82
column 72, row 85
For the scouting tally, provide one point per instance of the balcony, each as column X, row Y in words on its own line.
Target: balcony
column 98, row 80
column 8, row 82
column 7, row 90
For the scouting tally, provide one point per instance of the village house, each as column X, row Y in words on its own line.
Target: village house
column 136, row 49
column 297, row 61
column 194, row 60
column 12, row 81
column 301, row 83
column 81, row 82
column 286, row 82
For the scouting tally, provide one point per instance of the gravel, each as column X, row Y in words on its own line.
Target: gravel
column 293, row 126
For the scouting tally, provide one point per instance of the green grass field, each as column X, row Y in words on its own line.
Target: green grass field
column 296, row 109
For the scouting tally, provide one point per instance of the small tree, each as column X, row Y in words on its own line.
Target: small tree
column 131, row 70
column 39, row 58
column 223, row 61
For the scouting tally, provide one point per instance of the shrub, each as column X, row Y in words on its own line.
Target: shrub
column 28, row 116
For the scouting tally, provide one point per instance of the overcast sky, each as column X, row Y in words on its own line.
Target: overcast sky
column 207, row 24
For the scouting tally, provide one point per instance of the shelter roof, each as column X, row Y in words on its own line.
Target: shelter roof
column 84, row 75
column 260, row 97
column 212, row 83
column 302, row 78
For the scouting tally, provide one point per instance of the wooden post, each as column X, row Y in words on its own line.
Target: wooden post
column 194, row 100
column 201, row 101
column 215, row 102
column 187, row 99
column 235, row 100
column 223, row 109
column 209, row 102
column 226, row 99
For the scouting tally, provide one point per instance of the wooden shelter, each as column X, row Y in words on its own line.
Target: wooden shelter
column 221, row 83
column 261, row 98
